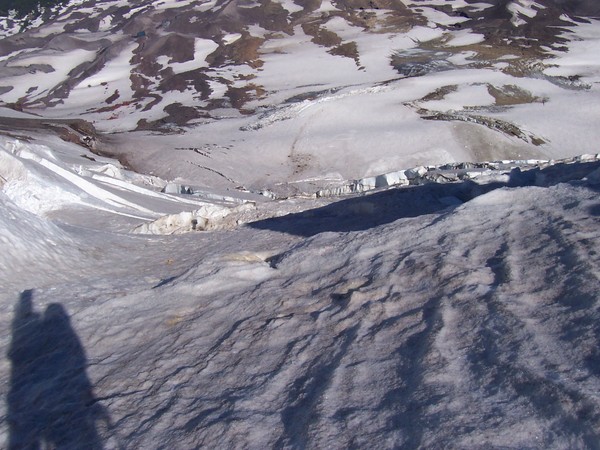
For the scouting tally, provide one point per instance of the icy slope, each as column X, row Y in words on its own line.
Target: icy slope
column 459, row 327
column 60, row 180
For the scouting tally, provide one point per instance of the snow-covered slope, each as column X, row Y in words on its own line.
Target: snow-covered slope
column 382, row 321
column 300, row 224
column 315, row 91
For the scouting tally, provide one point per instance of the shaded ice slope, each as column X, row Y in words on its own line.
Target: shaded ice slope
column 29, row 241
column 468, row 327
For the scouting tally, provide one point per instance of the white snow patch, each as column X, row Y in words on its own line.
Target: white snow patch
column 581, row 58
column 464, row 97
column 437, row 17
column 202, row 48
column 519, row 8
column 169, row 4
column 62, row 62
column 463, row 38
column 229, row 39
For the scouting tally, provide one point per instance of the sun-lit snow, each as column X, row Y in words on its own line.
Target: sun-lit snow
column 399, row 272
column 464, row 38
column 528, row 8
column 580, row 60
column 61, row 63
column 291, row 6
column 231, row 38
column 202, row 48
column 369, row 234
column 464, row 97
column 37, row 181
column 168, row 4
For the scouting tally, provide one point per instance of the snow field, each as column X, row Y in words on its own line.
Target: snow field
column 30, row 242
column 453, row 315
column 61, row 62
column 37, row 181
column 580, row 60
column 368, row 348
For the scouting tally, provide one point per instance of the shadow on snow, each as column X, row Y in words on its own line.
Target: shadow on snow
column 50, row 401
column 370, row 210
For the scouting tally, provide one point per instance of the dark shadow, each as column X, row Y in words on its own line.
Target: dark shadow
column 50, row 401
column 164, row 282
column 362, row 212
column 595, row 210
column 371, row 210
column 552, row 175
